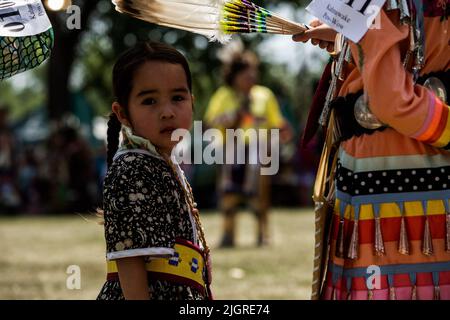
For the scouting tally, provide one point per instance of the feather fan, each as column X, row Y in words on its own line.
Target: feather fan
column 215, row 19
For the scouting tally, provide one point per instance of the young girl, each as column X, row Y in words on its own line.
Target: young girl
column 155, row 244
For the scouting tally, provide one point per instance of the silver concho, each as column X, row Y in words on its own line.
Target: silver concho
column 438, row 87
column 365, row 117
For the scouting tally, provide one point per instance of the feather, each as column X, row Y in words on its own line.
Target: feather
column 215, row 19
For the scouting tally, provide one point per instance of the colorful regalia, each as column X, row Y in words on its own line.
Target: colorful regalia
column 386, row 233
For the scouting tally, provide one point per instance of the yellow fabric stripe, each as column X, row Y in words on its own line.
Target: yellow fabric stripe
column 183, row 269
column 111, row 266
column 391, row 210
column 444, row 139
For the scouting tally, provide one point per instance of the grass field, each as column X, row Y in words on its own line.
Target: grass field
column 36, row 252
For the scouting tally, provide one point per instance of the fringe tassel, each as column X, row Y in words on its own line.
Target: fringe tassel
column 447, row 234
column 392, row 295
column 334, row 294
column 414, row 293
column 403, row 243
column 339, row 252
column 354, row 242
column 379, row 243
column 437, row 293
column 349, row 288
column 427, row 245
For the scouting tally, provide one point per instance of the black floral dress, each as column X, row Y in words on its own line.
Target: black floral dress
column 145, row 211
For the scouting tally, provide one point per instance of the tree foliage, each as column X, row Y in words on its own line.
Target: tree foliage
column 82, row 59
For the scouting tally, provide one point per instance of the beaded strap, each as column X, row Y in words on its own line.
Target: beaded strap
column 189, row 196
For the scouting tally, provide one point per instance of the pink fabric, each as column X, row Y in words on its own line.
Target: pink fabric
column 445, row 292
column 327, row 293
column 401, row 293
column 429, row 118
column 425, row 293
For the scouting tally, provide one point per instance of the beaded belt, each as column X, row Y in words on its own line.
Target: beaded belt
column 186, row 266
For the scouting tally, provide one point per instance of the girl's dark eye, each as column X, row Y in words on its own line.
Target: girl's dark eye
column 149, row 101
column 178, row 98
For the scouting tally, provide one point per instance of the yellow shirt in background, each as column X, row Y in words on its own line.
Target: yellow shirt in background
column 264, row 109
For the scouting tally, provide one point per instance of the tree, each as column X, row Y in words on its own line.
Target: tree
column 104, row 34
column 63, row 56
column 123, row 31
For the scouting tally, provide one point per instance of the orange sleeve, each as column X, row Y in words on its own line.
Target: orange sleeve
column 394, row 99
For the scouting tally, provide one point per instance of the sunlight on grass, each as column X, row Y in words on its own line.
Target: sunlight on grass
column 38, row 250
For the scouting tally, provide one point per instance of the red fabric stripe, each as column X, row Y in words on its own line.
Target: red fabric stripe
column 176, row 280
column 424, row 279
column 399, row 280
column 402, row 280
column 189, row 244
column 360, row 283
column 444, row 277
column 390, row 227
column 114, row 276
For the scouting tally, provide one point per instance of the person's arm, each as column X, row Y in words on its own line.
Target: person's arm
column 319, row 34
column 394, row 98
column 133, row 278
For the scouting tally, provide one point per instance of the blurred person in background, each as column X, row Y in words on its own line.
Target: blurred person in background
column 82, row 192
column 67, row 173
column 9, row 195
column 242, row 104
column 27, row 178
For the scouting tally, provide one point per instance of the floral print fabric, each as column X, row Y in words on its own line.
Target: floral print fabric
column 144, row 207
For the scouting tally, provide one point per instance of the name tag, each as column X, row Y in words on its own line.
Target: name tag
column 352, row 18
column 20, row 18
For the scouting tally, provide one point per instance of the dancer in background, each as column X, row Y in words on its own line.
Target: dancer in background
column 242, row 104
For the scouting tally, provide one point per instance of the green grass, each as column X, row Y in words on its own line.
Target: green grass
column 36, row 252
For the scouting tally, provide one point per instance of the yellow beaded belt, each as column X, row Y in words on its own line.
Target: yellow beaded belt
column 186, row 266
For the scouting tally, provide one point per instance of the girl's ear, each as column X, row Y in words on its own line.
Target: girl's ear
column 120, row 113
column 193, row 102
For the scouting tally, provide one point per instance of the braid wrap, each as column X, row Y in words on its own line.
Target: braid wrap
column 114, row 127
